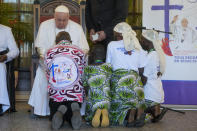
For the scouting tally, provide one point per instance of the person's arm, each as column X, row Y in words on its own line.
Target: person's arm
column 121, row 9
column 88, row 16
column 13, row 49
column 83, row 42
column 108, row 55
column 142, row 63
column 173, row 26
column 143, row 78
column 40, row 41
column 88, row 19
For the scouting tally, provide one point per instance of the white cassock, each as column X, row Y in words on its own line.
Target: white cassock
column 6, row 41
column 153, row 89
column 118, row 58
column 39, row 99
column 183, row 38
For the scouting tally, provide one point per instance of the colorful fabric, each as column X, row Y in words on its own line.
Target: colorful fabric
column 97, row 78
column 150, row 103
column 64, row 64
column 127, row 93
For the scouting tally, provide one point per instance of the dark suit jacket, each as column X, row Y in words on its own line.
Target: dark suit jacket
column 105, row 14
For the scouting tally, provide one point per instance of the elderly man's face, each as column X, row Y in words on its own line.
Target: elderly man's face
column 61, row 19
column 184, row 22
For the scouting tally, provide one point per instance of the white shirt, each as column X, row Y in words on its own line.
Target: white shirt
column 7, row 41
column 48, row 31
column 118, row 57
column 153, row 89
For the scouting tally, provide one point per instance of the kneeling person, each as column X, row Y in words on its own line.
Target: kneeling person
column 153, row 70
column 97, row 81
column 64, row 66
column 126, row 56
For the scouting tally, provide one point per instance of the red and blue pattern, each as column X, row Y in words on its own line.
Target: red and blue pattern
column 64, row 68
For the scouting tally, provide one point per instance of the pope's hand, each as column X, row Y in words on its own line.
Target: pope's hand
column 3, row 58
column 40, row 51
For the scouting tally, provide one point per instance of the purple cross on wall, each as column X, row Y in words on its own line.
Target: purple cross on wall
column 167, row 7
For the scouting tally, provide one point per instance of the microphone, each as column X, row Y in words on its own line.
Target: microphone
column 144, row 28
column 138, row 28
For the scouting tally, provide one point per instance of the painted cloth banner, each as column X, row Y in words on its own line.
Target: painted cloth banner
column 64, row 67
column 180, row 47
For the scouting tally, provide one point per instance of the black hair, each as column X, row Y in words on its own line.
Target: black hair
column 63, row 35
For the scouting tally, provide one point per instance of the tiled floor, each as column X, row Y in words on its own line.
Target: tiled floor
column 21, row 121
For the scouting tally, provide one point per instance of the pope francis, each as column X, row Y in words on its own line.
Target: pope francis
column 45, row 39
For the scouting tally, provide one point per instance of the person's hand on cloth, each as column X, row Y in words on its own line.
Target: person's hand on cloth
column 3, row 58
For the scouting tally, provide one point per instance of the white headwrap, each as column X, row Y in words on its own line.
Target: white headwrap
column 62, row 8
column 153, row 36
column 129, row 36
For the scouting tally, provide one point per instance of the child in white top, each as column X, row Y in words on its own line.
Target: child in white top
column 153, row 70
